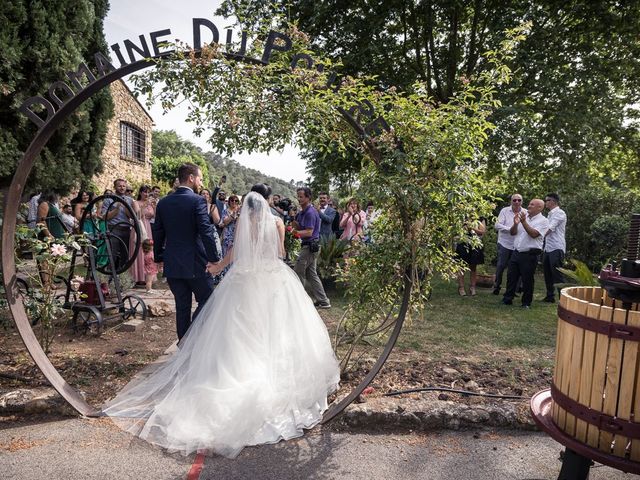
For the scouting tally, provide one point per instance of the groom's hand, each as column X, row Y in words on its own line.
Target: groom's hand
column 214, row 268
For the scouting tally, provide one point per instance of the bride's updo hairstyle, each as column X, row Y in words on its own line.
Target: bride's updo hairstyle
column 262, row 189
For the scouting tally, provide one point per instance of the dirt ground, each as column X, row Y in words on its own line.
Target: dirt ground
column 100, row 366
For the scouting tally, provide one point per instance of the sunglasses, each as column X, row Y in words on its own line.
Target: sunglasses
column 516, row 200
column 233, row 201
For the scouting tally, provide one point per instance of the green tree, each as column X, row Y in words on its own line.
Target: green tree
column 39, row 42
column 573, row 101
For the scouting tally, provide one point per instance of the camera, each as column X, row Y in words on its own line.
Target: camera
column 284, row 204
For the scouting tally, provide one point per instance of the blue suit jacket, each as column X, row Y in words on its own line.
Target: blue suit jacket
column 326, row 220
column 183, row 237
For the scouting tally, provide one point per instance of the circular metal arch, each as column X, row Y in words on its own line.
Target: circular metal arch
column 10, row 280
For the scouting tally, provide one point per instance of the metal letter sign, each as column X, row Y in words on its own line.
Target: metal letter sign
column 64, row 97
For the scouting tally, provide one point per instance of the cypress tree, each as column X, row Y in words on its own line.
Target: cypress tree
column 40, row 41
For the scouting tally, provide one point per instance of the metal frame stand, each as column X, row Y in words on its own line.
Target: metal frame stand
column 574, row 466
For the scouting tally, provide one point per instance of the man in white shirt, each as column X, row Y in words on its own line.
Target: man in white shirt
column 68, row 220
column 529, row 230
column 554, row 245
column 505, row 239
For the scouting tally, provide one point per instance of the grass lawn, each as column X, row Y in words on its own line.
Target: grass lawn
column 480, row 325
column 503, row 347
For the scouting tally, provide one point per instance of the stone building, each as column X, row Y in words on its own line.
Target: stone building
column 127, row 149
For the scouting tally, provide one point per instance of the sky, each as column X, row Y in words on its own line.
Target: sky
column 127, row 19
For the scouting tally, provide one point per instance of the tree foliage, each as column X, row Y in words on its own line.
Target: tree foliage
column 572, row 104
column 40, row 42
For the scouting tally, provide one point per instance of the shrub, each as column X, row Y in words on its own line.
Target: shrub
column 608, row 238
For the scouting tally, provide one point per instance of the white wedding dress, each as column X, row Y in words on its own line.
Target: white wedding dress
column 255, row 367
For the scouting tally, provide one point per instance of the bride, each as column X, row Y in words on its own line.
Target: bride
column 255, row 367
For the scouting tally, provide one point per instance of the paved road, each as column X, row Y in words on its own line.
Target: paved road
column 95, row 449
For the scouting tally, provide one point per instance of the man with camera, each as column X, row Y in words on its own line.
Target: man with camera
column 307, row 225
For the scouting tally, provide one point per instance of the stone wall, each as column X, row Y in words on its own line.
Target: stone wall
column 126, row 109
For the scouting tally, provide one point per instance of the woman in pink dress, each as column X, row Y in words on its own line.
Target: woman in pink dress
column 353, row 222
column 145, row 209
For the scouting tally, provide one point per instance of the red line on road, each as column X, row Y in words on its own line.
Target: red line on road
column 196, row 468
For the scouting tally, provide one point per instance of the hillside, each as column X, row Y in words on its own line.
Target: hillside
column 170, row 150
column 240, row 178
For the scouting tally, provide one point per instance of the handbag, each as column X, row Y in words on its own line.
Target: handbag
column 143, row 231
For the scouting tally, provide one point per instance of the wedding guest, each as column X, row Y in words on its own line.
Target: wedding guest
column 69, row 221
column 32, row 215
column 221, row 201
column 118, row 222
column 327, row 215
column 335, row 226
column 50, row 215
column 81, row 201
column 275, row 202
column 211, row 206
column 554, row 246
column 228, row 220
column 307, row 226
column 154, row 197
column 352, row 222
column 471, row 254
column 529, row 230
column 505, row 239
column 150, row 266
column 145, row 210
column 370, row 217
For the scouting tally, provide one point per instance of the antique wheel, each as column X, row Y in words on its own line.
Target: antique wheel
column 103, row 235
column 89, row 319
column 133, row 307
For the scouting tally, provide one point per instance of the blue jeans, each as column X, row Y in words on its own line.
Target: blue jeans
column 504, row 255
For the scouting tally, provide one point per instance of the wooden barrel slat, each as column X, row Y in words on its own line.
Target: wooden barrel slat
column 634, row 319
column 573, row 378
column 612, row 383
column 586, row 372
column 598, row 380
column 558, row 368
column 627, row 385
column 564, row 360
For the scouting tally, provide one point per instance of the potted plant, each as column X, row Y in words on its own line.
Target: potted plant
column 486, row 276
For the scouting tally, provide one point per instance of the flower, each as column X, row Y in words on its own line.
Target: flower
column 289, row 228
column 58, row 250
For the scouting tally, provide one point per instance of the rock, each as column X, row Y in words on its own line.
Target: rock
column 160, row 309
column 155, row 327
column 130, row 326
column 450, row 371
column 443, row 396
column 37, row 400
column 471, row 386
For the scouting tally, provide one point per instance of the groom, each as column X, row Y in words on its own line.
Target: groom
column 185, row 244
